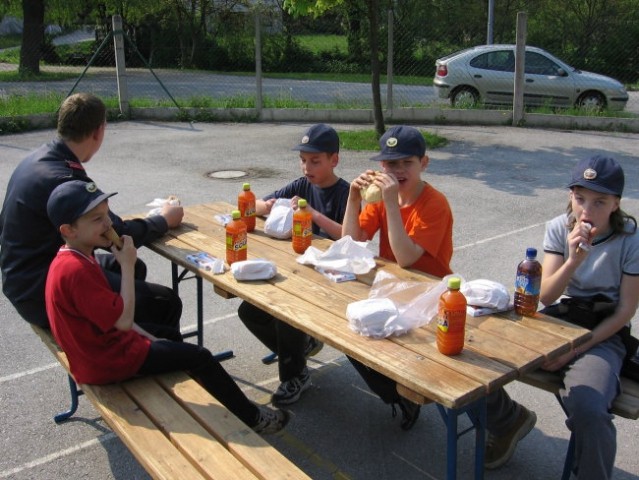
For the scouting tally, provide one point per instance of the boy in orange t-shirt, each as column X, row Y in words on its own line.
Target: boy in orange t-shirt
column 415, row 224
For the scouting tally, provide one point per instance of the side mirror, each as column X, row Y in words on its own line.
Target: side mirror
column 561, row 72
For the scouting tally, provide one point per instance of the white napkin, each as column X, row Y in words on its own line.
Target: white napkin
column 158, row 203
column 345, row 255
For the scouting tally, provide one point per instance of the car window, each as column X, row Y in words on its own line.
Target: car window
column 501, row 60
column 538, row 64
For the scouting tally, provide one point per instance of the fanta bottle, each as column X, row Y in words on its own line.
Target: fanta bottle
column 236, row 248
column 451, row 319
column 246, row 206
column 302, row 227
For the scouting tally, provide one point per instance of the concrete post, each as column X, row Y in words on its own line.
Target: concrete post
column 120, row 65
column 520, row 65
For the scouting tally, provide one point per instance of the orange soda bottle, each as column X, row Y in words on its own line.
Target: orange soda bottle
column 235, row 239
column 528, row 284
column 451, row 319
column 246, row 206
column 302, row 227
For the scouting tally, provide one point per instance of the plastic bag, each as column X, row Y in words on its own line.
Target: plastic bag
column 415, row 304
column 279, row 223
column 344, row 255
column 486, row 293
column 159, row 203
column 258, row 269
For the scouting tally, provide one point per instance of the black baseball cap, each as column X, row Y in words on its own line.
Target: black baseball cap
column 70, row 200
column 401, row 142
column 599, row 173
column 318, row 139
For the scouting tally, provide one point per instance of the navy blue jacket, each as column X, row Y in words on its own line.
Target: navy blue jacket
column 28, row 240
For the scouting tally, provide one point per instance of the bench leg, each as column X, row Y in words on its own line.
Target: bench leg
column 477, row 413
column 75, row 393
column 177, row 277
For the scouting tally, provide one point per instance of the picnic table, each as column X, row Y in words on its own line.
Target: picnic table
column 499, row 348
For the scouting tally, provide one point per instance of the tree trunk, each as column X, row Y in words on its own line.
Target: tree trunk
column 32, row 36
column 373, row 8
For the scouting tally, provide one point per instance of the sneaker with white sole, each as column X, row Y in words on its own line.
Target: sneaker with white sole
column 289, row 391
column 270, row 420
column 500, row 449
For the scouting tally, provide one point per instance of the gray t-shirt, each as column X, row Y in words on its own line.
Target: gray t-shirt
column 608, row 260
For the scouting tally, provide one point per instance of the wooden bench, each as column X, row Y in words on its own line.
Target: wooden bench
column 626, row 405
column 176, row 429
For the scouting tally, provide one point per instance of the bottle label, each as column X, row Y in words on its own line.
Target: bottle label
column 528, row 284
column 236, row 242
column 302, row 229
column 447, row 318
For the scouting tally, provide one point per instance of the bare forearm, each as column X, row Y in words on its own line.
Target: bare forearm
column 405, row 250
column 350, row 226
column 127, row 292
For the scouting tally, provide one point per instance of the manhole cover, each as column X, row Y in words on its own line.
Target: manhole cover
column 228, row 174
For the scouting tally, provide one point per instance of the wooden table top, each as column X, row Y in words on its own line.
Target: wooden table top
column 498, row 348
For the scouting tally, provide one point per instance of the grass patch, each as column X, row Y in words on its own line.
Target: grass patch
column 359, row 140
column 10, row 41
column 323, row 43
column 33, row 104
column 44, row 76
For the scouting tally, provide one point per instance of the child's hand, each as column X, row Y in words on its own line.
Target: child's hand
column 389, row 185
column 128, row 254
column 579, row 238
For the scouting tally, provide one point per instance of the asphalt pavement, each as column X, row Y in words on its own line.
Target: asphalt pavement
column 502, row 183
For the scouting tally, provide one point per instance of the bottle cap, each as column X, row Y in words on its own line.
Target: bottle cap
column 301, row 203
column 236, row 214
column 454, row 283
column 246, row 186
column 531, row 252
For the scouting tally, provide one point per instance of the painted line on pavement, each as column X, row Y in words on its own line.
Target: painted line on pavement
column 60, row 454
column 496, row 237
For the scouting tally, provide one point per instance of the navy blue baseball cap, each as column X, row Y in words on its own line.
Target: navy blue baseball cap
column 70, row 200
column 318, row 139
column 401, row 142
column 598, row 173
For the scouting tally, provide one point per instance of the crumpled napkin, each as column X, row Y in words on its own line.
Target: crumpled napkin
column 345, row 255
column 158, row 203
column 258, row 269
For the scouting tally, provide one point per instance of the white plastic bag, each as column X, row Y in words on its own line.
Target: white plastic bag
column 344, row 255
column 415, row 303
column 279, row 223
column 258, row 269
column 486, row 293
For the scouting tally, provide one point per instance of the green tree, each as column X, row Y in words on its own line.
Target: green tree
column 318, row 7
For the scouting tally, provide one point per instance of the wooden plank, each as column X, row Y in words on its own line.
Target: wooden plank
column 248, row 447
column 555, row 326
column 149, row 445
column 204, row 452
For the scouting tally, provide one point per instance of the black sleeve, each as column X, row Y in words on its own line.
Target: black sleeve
column 142, row 230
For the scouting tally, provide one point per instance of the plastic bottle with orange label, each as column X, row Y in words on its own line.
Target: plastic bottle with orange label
column 236, row 247
column 302, row 227
column 451, row 319
column 246, row 206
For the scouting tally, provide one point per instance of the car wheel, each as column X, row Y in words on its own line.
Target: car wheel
column 464, row 97
column 592, row 101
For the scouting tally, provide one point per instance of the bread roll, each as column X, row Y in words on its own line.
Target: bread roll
column 372, row 193
column 114, row 237
column 173, row 200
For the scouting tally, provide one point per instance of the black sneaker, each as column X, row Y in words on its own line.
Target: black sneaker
column 289, row 391
column 271, row 421
column 410, row 412
column 313, row 347
column 499, row 450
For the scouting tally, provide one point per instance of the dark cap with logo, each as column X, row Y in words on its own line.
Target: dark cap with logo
column 320, row 138
column 70, row 200
column 401, row 142
column 600, row 174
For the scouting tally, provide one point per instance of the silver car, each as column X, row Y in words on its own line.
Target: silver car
column 485, row 74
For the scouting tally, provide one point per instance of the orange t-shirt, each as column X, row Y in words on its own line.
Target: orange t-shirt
column 428, row 222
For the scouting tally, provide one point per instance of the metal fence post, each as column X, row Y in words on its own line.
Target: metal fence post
column 389, row 64
column 258, row 65
column 520, row 67
column 120, row 65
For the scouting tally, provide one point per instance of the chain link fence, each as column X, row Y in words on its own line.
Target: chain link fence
column 237, row 58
